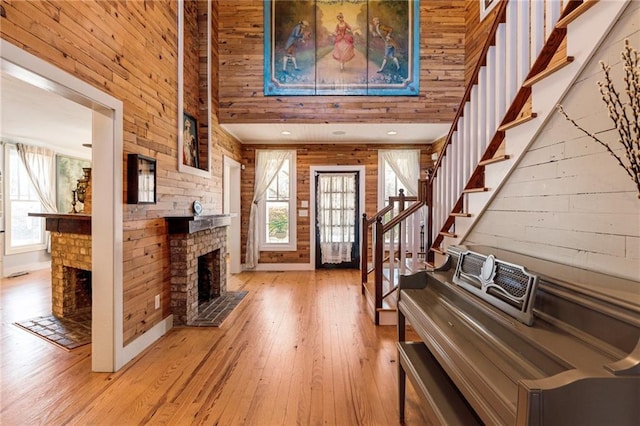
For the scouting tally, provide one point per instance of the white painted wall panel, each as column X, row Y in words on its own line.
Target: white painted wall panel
column 544, row 155
column 633, row 249
column 583, row 241
column 546, row 203
column 615, row 224
column 534, row 173
column 607, row 203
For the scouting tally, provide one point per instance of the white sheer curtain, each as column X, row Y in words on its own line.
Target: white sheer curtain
column 40, row 164
column 405, row 163
column 268, row 163
column 336, row 200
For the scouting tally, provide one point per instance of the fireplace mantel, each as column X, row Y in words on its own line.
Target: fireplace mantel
column 72, row 223
column 192, row 224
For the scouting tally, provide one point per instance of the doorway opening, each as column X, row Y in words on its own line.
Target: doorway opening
column 231, row 206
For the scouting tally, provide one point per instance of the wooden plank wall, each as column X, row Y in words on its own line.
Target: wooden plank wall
column 129, row 50
column 442, row 63
column 308, row 155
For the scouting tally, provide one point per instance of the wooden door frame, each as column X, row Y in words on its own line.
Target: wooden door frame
column 312, row 202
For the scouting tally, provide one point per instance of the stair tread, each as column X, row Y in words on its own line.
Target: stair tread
column 578, row 11
column 494, row 160
column 517, row 121
column 548, row 71
column 470, row 190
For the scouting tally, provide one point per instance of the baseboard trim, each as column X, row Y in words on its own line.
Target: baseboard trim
column 36, row 266
column 280, row 267
column 147, row 339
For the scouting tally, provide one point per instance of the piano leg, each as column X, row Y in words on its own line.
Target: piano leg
column 402, row 381
column 401, row 327
column 402, row 376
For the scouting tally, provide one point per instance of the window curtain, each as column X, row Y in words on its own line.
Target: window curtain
column 40, row 164
column 268, row 163
column 405, row 163
column 336, row 200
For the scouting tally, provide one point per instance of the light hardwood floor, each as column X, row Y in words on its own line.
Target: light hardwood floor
column 300, row 349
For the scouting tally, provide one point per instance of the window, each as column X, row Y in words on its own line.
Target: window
column 397, row 169
column 23, row 233
column 392, row 184
column 278, row 210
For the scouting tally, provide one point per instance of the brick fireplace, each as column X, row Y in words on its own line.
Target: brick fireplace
column 198, row 245
column 71, row 286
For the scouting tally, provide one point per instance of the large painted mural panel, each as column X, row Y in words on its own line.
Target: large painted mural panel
column 341, row 47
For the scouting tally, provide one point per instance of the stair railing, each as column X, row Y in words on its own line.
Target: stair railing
column 402, row 217
column 514, row 41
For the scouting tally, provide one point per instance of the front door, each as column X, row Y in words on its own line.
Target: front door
column 336, row 219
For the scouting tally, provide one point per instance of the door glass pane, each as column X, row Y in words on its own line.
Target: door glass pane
column 336, row 208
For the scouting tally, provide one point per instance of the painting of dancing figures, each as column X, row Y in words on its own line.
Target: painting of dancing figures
column 341, row 47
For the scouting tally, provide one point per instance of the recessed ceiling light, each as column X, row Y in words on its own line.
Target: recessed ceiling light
column 339, row 132
column 392, row 132
column 285, row 132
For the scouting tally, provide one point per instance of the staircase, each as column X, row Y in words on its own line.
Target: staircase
column 498, row 122
column 534, row 52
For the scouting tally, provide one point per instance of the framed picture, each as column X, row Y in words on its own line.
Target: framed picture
column 329, row 47
column 141, row 179
column 190, row 151
column 68, row 171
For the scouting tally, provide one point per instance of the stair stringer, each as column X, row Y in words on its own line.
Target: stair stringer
column 590, row 29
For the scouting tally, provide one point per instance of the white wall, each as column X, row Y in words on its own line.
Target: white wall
column 569, row 200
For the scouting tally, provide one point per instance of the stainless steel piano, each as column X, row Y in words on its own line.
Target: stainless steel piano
column 515, row 340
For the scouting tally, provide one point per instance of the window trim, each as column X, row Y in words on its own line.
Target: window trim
column 9, row 249
column 292, row 245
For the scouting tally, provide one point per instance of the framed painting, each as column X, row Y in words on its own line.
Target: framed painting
column 68, row 171
column 190, row 151
column 194, row 118
column 342, row 47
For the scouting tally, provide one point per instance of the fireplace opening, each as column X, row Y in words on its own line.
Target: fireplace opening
column 208, row 277
column 77, row 294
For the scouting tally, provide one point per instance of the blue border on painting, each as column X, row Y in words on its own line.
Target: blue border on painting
column 411, row 86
